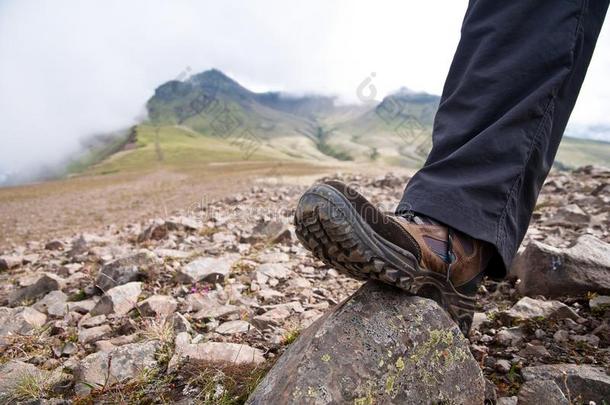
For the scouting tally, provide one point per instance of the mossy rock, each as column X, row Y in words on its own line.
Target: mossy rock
column 380, row 346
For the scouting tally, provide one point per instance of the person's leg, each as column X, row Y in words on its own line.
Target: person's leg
column 511, row 88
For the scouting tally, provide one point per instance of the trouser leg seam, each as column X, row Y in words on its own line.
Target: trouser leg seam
column 501, row 228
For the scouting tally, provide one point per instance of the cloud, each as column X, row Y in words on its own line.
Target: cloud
column 69, row 69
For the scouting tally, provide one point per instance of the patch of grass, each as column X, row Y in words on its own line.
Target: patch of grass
column 25, row 347
column 201, row 383
column 290, row 336
column 149, row 386
column 222, row 384
column 574, row 152
column 29, row 386
column 78, row 296
column 180, row 149
column 156, row 329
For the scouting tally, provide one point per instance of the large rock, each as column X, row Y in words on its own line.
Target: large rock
column 213, row 352
column 9, row 262
column 20, row 320
column 528, row 308
column 118, row 300
column 549, row 271
column 272, row 231
column 569, row 215
column 92, row 334
column 124, row 270
column 117, row 365
column 158, row 305
column 541, row 392
column 583, row 383
column 16, row 377
column 38, row 286
column 54, row 304
column 378, row 346
column 207, row 269
column 274, row 270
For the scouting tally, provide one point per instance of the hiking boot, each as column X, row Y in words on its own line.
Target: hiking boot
column 414, row 253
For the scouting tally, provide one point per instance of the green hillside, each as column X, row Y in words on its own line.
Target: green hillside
column 212, row 118
column 575, row 152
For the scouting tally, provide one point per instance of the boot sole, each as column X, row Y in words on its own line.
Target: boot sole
column 328, row 225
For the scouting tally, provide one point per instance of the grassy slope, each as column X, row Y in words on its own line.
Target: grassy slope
column 191, row 118
column 181, row 148
column 574, row 152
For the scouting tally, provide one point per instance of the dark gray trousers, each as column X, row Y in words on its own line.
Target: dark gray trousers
column 511, row 88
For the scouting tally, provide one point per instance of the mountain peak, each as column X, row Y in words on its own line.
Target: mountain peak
column 211, row 75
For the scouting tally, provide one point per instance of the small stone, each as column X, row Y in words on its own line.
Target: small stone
column 104, row 346
column 478, row 319
column 215, row 352
column 599, row 303
column 124, row 270
column 125, row 362
column 233, row 327
column 273, row 257
column 93, row 334
column 197, row 301
column 507, row 401
column 54, row 304
column 308, row 317
column 479, row 351
column 20, row 320
column 299, row 283
column 118, row 300
column 275, row 317
column 535, row 351
column 590, row 340
column 213, row 269
column 41, row 285
column 183, row 223
column 268, row 294
column 172, row 253
column 274, row 270
column 219, row 311
column 503, row 366
column 158, row 305
column 54, row 245
column 541, row 392
column 10, row 262
column 528, row 308
column 332, row 273
column 179, row 323
column 510, row 337
column 273, row 231
column 224, row 237
column 569, row 215
column 156, row 231
column 89, row 321
column 561, row 336
column 585, row 382
column 83, row 306
column 69, row 349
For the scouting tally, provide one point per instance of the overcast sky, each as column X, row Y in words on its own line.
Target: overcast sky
column 72, row 68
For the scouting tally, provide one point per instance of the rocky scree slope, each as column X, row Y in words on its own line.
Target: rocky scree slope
column 197, row 307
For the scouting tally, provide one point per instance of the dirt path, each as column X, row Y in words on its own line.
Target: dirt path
column 90, row 203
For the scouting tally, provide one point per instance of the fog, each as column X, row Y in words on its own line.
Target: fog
column 70, row 69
